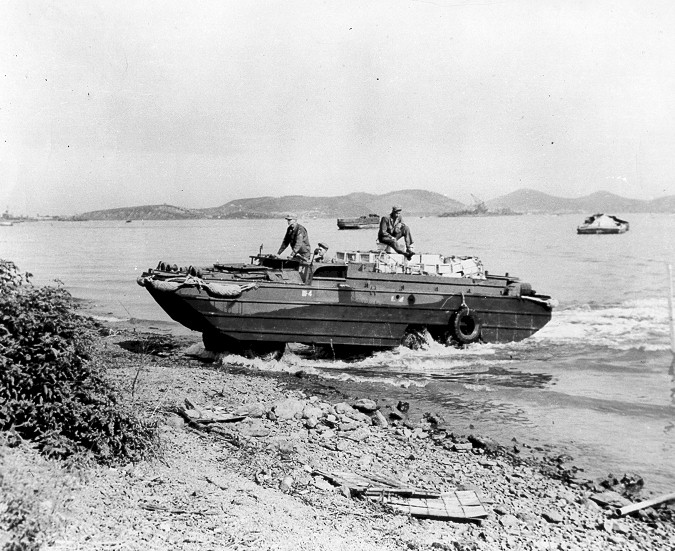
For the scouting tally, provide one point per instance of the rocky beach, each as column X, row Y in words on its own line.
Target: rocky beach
column 257, row 459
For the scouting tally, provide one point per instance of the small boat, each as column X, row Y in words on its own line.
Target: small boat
column 361, row 300
column 6, row 223
column 362, row 222
column 602, row 224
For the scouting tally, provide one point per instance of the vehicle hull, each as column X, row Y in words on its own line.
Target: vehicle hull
column 362, row 309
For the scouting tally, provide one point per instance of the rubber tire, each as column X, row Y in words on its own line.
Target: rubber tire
column 466, row 326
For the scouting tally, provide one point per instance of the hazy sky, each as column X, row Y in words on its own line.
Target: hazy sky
column 106, row 104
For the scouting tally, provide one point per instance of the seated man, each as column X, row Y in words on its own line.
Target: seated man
column 296, row 237
column 320, row 253
column 392, row 229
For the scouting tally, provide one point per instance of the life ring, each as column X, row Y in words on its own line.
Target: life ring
column 466, row 326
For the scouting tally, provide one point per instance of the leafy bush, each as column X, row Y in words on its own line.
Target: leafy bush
column 50, row 393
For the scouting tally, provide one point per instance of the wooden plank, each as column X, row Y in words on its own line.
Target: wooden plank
column 447, row 507
column 457, row 505
column 644, row 504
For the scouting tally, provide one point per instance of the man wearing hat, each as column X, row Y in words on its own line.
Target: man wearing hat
column 392, row 229
column 320, row 252
column 296, row 237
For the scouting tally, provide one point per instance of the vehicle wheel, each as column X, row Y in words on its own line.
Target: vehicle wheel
column 266, row 351
column 466, row 326
column 214, row 342
column 413, row 339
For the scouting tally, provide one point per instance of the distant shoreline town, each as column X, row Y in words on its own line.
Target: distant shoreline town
column 416, row 202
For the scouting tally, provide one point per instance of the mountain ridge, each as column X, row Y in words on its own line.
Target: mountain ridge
column 415, row 202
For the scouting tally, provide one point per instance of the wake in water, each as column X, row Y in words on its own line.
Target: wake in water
column 636, row 324
column 621, row 338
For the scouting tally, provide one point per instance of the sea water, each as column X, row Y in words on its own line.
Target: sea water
column 596, row 383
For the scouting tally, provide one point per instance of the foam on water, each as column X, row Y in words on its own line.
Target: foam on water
column 634, row 324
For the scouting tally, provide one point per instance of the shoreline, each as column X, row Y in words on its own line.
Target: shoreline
column 254, row 481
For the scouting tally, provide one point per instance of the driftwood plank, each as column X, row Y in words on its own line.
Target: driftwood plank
column 448, row 506
column 457, row 505
column 626, row 510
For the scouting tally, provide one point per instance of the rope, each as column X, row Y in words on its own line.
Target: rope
column 215, row 289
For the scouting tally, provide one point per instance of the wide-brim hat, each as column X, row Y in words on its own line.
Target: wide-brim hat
column 396, row 208
column 323, row 245
column 291, row 216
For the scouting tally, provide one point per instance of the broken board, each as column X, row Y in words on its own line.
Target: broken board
column 454, row 505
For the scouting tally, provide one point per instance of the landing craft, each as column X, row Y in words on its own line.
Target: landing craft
column 363, row 300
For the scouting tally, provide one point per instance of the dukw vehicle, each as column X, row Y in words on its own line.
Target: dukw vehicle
column 602, row 224
column 360, row 300
column 360, row 223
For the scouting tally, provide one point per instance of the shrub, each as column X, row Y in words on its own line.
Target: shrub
column 50, row 391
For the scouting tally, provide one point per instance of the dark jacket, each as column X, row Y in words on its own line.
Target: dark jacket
column 296, row 237
column 390, row 229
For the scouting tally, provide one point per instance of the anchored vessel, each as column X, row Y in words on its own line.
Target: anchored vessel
column 362, row 222
column 603, row 224
column 364, row 299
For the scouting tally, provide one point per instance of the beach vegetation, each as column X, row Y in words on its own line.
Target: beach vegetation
column 51, row 392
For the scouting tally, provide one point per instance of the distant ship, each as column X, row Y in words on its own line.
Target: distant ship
column 362, row 222
column 479, row 209
column 6, row 219
column 602, row 224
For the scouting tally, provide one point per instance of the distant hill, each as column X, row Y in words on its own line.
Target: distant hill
column 147, row 212
column 415, row 202
column 532, row 201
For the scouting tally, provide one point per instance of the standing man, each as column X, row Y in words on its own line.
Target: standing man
column 296, row 237
column 392, row 229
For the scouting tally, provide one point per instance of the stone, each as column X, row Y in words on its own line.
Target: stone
column 434, row 419
column 527, row 517
column 365, row 405
column 343, row 407
column 420, row 434
column 251, row 410
column 323, row 484
column 552, row 516
column 288, row 408
column 378, row 419
column 610, row 499
column 365, row 461
column 621, row 527
column 310, row 411
column 285, row 447
column 462, row 446
column 311, row 422
column 254, row 428
column 360, row 434
column 509, row 522
column 193, row 413
column 286, row 484
column 174, row 421
column 359, row 417
column 348, row 426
